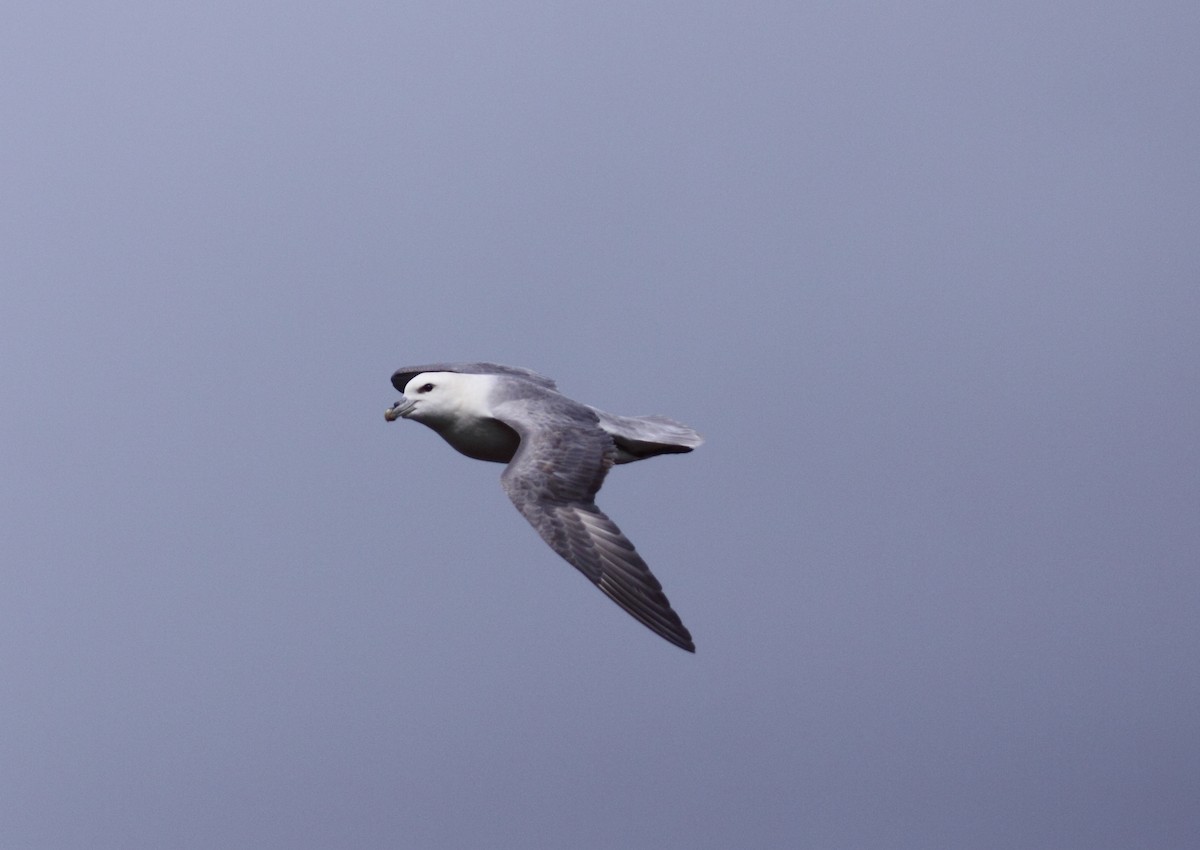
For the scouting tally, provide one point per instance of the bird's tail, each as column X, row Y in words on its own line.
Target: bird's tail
column 639, row 437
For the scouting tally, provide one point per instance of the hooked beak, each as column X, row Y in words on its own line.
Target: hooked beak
column 400, row 409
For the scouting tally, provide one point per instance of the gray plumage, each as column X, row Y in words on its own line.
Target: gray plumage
column 558, row 452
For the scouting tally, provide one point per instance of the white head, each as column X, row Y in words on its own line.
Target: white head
column 443, row 396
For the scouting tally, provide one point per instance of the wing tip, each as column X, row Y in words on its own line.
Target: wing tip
column 678, row 636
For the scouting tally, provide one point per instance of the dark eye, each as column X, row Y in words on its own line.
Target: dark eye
column 425, row 388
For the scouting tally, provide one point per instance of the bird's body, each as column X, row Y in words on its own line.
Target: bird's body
column 558, row 452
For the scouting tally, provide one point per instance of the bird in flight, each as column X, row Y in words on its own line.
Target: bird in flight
column 558, row 451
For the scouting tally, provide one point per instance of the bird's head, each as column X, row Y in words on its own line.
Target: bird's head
column 440, row 396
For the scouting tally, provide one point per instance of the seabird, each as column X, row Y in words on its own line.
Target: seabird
column 558, row 452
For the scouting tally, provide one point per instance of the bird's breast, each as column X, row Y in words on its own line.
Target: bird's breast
column 482, row 439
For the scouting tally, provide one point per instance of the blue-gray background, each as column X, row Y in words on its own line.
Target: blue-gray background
column 927, row 277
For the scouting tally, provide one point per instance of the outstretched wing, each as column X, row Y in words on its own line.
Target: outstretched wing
column 552, row 480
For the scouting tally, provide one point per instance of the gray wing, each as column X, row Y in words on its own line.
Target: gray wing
column 553, row 480
column 401, row 377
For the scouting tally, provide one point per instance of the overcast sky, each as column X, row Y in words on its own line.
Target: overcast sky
column 926, row 276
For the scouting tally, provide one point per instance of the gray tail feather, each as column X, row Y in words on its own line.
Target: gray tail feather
column 640, row 437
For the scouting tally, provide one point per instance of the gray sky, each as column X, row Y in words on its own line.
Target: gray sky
column 927, row 277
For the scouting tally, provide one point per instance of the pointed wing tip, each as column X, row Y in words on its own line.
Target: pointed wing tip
column 669, row 627
column 681, row 638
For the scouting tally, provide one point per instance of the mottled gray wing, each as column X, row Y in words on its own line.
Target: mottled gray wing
column 553, row 480
column 401, row 377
